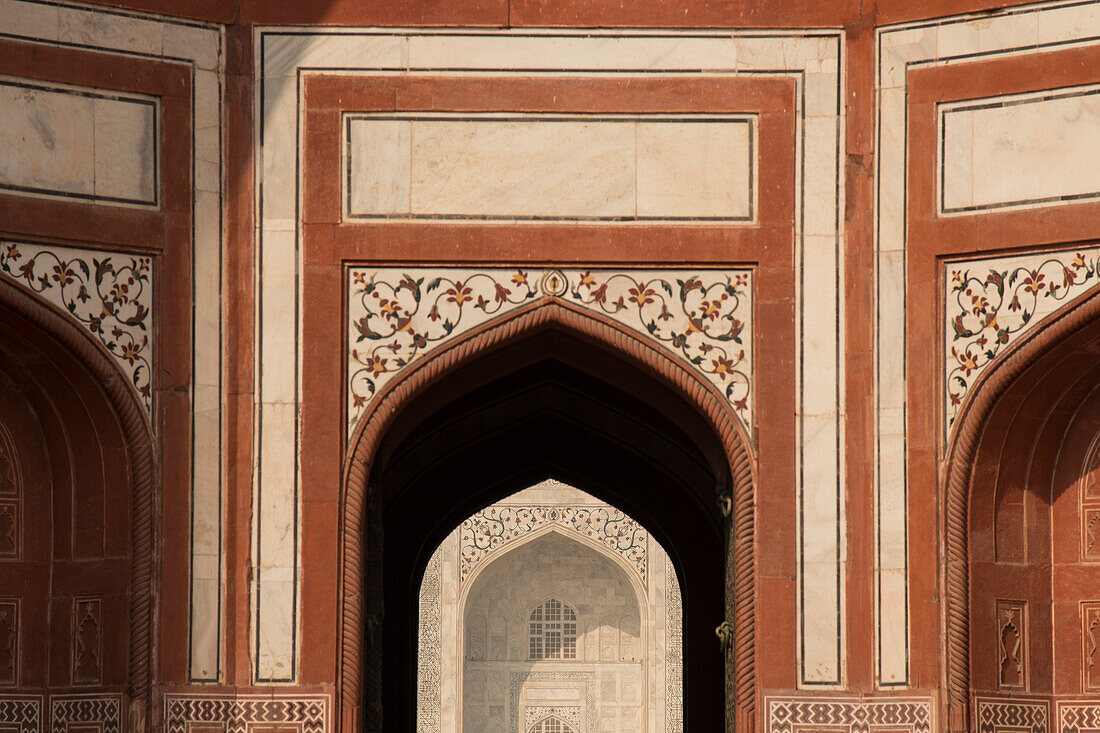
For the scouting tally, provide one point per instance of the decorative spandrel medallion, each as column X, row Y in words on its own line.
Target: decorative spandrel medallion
column 397, row 315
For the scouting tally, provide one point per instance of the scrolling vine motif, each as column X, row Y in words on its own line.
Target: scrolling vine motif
column 109, row 294
column 991, row 302
column 497, row 525
column 396, row 315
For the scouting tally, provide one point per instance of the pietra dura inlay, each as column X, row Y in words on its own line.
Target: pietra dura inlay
column 398, row 314
column 990, row 303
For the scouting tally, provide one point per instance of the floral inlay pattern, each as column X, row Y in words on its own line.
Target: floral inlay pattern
column 110, row 294
column 396, row 315
column 990, row 303
column 499, row 525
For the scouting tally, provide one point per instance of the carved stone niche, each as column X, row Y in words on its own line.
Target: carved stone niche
column 1090, row 640
column 1012, row 672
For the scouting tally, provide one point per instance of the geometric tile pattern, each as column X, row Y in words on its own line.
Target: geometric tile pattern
column 100, row 712
column 789, row 715
column 21, row 713
column 1078, row 716
column 243, row 713
column 108, row 294
column 1015, row 714
column 396, row 315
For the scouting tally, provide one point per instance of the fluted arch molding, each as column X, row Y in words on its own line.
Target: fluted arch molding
column 138, row 435
column 956, row 481
column 549, row 314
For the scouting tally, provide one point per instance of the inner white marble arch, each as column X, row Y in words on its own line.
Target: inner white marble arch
column 550, row 611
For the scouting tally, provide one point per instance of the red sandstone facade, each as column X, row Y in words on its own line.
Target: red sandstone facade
column 181, row 545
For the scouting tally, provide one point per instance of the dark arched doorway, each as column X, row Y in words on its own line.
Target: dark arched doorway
column 550, row 400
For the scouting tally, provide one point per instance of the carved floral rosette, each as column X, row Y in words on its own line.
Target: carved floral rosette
column 396, row 315
column 500, row 525
column 109, row 294
column 989, row 303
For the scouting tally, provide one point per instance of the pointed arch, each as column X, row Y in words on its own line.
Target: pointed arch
column 549, row 313
column 1059, row 334
column 568, row 534
column 93, row 357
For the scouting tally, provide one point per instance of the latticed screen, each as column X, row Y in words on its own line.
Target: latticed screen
column 551, row 725
column 553, row 632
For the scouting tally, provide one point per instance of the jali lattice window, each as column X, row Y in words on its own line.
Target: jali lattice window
column 553, row 634
column 551, row 725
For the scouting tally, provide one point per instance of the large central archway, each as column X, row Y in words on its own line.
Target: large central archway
column 549, row 390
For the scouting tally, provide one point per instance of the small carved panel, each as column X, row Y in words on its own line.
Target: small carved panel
column 9, row 641
column 9, row 466
column 1012, row 644
column 1090, row 638
column 1090, row 475
column 9, row 529
column 1089, row 503
column 87, row 621
column 1090, row 533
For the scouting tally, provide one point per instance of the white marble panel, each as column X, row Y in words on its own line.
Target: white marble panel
column 610, row 50
column 549, row 166
column 276, row 546
column 690, row 169
column 821, row 530
column 88, row 27
column 31, row 19
column 46, row 139
column 379, row 161
column 524, row 169
column 76, row 142
column 1030, row 149
column 125, row 157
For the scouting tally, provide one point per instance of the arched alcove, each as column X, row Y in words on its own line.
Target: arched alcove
column 544, row 397
column 82, row 456
column 1018, row 578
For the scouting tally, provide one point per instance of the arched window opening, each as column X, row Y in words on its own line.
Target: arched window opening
column 553, row 631
column 552, row 725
